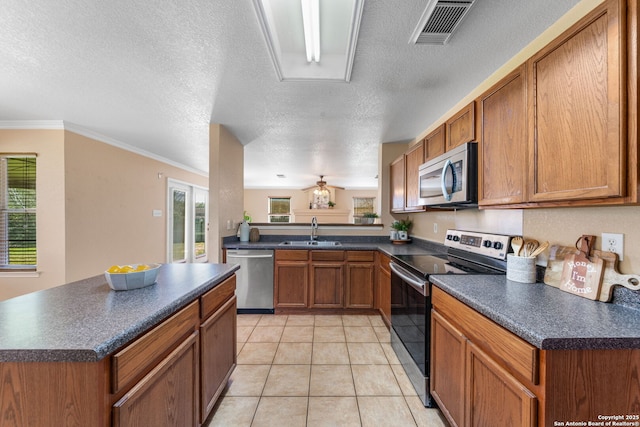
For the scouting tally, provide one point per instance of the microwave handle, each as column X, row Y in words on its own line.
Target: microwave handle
column 443, row 177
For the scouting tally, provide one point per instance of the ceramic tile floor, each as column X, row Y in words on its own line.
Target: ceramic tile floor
column 322, row 370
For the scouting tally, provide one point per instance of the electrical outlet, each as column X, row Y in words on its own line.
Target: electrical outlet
column 435, row 227
column 612, row 242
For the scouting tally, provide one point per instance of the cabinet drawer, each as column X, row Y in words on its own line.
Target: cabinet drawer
column 147, row 350
column 214, row 299
column 327, row 255
column 361, row 256
column 505, row 347
column 167, row 395
column 292, row 255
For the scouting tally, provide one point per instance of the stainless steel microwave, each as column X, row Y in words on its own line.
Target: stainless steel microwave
column 451, row 180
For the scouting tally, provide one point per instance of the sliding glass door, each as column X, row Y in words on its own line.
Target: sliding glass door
column 187, row 222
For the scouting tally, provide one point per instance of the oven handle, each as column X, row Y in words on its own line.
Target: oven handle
column 411, row 279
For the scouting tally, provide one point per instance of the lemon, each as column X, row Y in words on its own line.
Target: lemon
column 114, row 269
column 142, row 267
column 126, row 269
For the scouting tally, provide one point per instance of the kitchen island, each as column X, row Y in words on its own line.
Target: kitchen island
column 82, row 354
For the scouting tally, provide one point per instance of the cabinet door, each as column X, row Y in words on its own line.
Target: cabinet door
column 461, row 127
column 577, row 104
column 503, row 157
column 434, row 143
column 396, row 186
column 291, row 284
column 359, row 289
column 384, row 289
column 168, row 395
column 494, row 397
column 448, row 352
column 326, row 285
column 217, row 355
column 413, row 159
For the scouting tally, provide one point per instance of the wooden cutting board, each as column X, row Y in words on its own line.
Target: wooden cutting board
column 581, row 274
column 611, row 276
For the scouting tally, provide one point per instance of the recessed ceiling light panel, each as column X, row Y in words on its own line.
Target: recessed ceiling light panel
column 281, row 22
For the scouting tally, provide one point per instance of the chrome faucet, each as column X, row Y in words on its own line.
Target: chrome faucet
column 314, row 228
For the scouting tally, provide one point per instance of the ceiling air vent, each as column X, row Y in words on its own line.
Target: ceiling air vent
column 439, row 21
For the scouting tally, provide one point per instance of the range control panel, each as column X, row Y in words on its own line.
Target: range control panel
column 491, row 245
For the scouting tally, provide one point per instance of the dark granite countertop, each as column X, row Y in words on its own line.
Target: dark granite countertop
column 540, row 314
column 383, row 244
column 545, row 316
column 84, row 321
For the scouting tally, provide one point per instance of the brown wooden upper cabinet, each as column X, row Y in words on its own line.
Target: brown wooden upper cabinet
column 575, row 102
column 413, row 159
column 434, row 143
column 396, row 186
column 577, row 105
column 502, row 152
column 404, row 180
column 461, row 127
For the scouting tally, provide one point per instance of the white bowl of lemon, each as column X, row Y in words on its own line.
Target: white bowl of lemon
column 132, row 276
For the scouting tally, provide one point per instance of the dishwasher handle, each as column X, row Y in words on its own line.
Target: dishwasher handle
column 236, row 255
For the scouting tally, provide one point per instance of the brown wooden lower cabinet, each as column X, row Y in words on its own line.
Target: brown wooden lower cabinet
column 383, row 288
column 483, row 375
column 493, row 396
column 217, row 353
column 324, row 279
column 326, row 285
column 170, row 375
column 291, row 279
column 471, row 388
column 359, row 286
column 165, row 396
column 449, row 348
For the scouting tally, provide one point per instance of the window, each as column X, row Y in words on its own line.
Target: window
column 187, row 222
column 279, row 209
column 361, row 206
column 17, row 211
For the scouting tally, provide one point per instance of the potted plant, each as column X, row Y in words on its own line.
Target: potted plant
column 402, row 227
column 369, row 217
column 331, row 204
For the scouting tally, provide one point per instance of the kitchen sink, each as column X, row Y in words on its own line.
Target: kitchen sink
column 310, row 243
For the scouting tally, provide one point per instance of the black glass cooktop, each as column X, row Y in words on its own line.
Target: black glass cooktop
column 426, row 265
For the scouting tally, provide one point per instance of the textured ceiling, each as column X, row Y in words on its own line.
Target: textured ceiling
column 154, row 74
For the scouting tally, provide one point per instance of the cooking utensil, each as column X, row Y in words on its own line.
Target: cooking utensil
column 530, row 246
column 516, row 244
column 539, row 249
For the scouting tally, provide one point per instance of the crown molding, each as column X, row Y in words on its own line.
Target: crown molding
column 72, row 127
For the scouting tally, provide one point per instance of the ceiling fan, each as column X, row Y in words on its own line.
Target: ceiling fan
column 321, row 185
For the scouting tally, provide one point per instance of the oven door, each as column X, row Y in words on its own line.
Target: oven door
column 410, row 308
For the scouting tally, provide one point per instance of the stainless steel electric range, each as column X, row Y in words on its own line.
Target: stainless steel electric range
column 467, row 253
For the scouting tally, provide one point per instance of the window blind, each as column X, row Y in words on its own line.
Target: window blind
column 17, row 211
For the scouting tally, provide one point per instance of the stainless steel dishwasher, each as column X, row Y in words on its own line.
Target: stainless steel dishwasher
column 254, row 280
